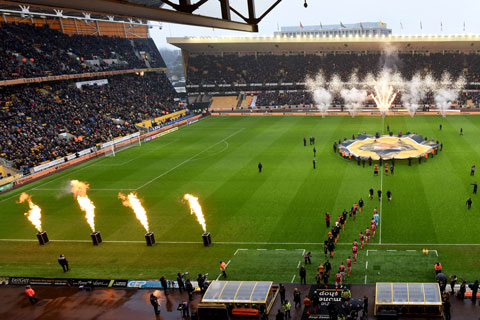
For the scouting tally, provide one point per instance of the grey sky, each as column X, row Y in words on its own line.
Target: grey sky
column 452, row 14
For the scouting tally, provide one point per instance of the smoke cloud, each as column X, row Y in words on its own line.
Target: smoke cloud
column 354, row 99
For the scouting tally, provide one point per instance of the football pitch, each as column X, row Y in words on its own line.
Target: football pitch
column 260, row 223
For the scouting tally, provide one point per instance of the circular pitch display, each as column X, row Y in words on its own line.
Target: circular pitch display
column 388, row 147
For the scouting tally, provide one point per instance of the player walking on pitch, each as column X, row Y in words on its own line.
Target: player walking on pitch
column 355, row 253
column 349, row 266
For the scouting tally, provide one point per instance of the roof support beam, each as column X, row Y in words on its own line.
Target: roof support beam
column 131, row 10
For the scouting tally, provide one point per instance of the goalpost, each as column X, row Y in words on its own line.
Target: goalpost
column 111, row 150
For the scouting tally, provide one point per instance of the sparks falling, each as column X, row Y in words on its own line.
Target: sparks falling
column 35, row 213
column 79, row 190
column 383, row 97
column 196, row 209
column 133, row 202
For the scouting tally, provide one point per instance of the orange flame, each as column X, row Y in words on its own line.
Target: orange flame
column 196, row 209
column 79, row 190
column 133, row 202
column 35, row 213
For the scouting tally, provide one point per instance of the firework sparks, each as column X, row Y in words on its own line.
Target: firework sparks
column 35, row 213
column 133, row 202
column 79, row 190
column 383, row 97
column 196, row 209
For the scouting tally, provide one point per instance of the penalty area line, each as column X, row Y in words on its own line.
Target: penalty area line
column 239, row 250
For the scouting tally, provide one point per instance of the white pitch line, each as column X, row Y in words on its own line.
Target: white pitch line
column 143, row 154
column 391, row 250
column 227, row 263
column 411, row 250
column 280, row 249
column 267, row 243
column 186, row 161
column 436, row 252
column 365, row 279
column 218, row 277
column 239, row 250
column 366, row 265
column 298, row 265
column 56, row 189
column 262, row 249
column 381, row 188
column 293, row 278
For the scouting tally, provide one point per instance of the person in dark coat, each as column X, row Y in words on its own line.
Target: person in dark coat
column 296, row 297
column 201, row 282
column 280, row 315
column 304, row 141
column 474, row 291
column 469, row 203
column 63, row 262
column 181, row 285
column 475, row 186
column 154, row 302
column 365, row 308
column 446, row 308
column 303, row 275
column 260, row 166
column 314, row 152
column 314, row 164
column 281, row 290
column 463, row 289
column 163, row 282
column 189, row 289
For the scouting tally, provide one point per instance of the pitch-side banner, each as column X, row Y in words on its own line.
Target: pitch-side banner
column 111, row 143
column 63, row 282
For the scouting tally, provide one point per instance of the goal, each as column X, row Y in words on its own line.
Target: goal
column 110, row 151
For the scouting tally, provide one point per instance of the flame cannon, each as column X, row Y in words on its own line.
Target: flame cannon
column 196, row 209
column 34, row 215
column 133, row 202
column 79, row 190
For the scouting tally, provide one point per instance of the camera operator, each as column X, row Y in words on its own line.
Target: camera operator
column 180, row 281
column 201, row 282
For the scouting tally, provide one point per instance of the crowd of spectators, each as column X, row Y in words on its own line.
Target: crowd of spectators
column 29, row 51
column 232, row 68
column 33, row 116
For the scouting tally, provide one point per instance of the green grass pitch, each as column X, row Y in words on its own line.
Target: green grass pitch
column 281, row 208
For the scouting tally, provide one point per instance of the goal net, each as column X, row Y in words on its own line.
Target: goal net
column 110, row 151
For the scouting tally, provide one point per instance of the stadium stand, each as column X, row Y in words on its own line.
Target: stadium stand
column 274, row 68
column 224, row 102
column 33, row 117
column 278, row 79
column 30, row 51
